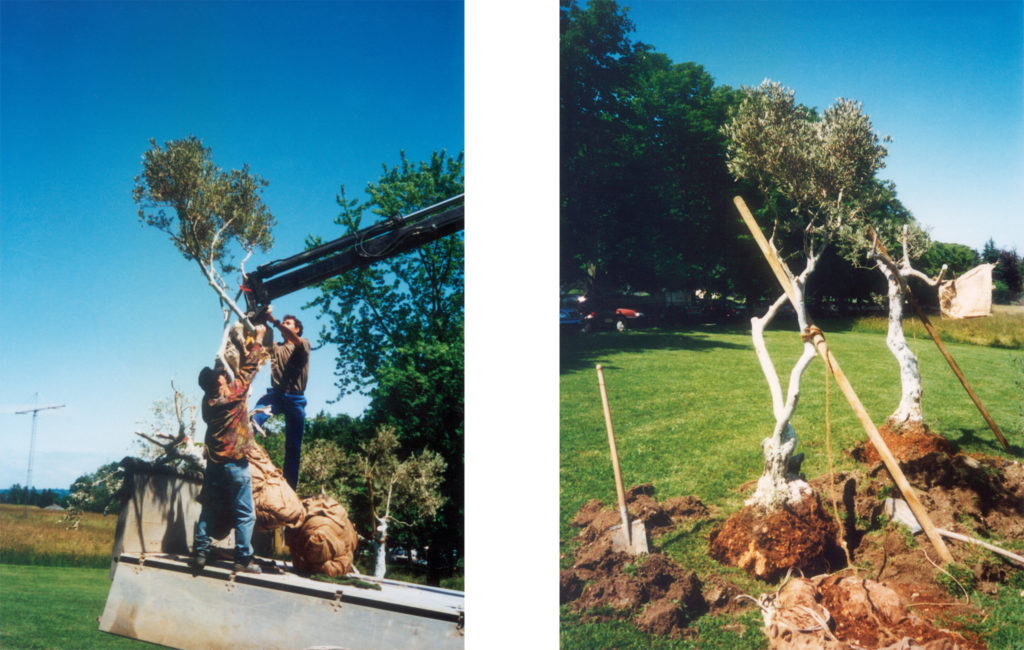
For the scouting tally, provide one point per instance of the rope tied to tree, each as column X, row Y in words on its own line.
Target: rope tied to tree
column 809, row 333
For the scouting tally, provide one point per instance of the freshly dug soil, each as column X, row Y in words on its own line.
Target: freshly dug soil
column 907, row 443
column 893, row 595
column 651, row 590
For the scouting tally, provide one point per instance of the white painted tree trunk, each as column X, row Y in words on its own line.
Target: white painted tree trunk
column 382, row 549
column 780, row 484
column 909, row 409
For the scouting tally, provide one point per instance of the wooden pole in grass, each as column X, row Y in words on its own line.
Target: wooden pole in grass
column 785, row 279
column 905, row 288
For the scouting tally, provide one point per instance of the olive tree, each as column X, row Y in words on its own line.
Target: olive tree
column 206, row 211
column 894, row 228
column 816, row 176
column 395, row 486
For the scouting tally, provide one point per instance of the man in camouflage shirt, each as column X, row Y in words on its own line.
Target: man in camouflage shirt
column 227, row 484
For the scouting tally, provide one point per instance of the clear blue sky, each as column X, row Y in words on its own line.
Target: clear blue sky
column 944, row 79
column 101, row 314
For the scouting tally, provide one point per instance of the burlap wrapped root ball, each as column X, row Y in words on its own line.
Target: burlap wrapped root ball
column 325, row 542
column 276, row 503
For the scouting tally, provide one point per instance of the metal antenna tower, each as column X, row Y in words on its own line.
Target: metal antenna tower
column 32, row 443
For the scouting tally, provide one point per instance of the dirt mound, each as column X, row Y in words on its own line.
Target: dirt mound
column 767, row 544
column 654, row 592
column 960, row 492
column 978, row 496
column 658, row 517
column 894, row 595
column 830, row 611
column 907, row 443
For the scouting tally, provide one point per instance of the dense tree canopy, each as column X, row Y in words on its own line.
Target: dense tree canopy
column 644, row 186
column 399, row 330
column 210, row 209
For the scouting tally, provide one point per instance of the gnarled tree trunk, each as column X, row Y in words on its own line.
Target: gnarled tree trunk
column 780, row 483
column 909, row 412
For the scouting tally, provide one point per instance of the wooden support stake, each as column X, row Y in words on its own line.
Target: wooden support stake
column 783, row 275
column 905, row 288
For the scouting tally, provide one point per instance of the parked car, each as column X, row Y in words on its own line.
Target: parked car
column 399, row 555
column 570, row 320
column 619, row 319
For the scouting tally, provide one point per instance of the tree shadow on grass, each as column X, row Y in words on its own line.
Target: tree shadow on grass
column 581, row 351
column 682, row 534
column 984, row 437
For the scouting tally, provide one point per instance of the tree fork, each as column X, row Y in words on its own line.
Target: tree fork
column 784, row 277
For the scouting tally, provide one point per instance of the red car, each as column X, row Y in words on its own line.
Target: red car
column 619, row 319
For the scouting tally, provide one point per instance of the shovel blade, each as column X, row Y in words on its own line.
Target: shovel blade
column 637, row 542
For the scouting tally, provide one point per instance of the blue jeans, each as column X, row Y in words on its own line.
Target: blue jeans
column 294, row 409
column 227, row 502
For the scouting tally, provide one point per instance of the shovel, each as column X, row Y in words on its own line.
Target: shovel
column 632, row 539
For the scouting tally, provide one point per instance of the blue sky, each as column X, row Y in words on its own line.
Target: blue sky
column 101, row 314
column 944, row 79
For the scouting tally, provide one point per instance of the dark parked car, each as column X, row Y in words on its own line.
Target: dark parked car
column 570, row 320
column 619, row 319
column 577, row 315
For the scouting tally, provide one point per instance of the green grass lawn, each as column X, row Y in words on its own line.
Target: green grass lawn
column 690, row 408
column 55, row 607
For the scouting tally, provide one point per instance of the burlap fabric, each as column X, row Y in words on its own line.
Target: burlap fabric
column 970, row 295
column 325, row 543
column 276, row 503
column 234, row 350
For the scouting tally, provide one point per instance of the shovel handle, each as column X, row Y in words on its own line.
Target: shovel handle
column 615, row 454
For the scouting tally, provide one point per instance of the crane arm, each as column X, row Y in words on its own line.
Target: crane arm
column 356, row 250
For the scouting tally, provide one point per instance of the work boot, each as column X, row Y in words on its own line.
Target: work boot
column 248, row 566
column 196, row 563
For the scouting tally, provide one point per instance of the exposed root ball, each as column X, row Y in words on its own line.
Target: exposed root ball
column 767, row 544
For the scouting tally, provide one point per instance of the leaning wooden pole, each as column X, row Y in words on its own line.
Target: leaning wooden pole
column 784, row 277
column 905, row 288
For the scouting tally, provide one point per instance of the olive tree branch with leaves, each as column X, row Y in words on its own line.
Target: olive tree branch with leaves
column 205, row 211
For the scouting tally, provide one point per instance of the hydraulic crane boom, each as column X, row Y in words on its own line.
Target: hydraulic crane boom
column 357, row 250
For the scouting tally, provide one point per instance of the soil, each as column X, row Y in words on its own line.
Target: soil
column 768, row 544
column 906, row 443
column 651, row 590
column 893, row 595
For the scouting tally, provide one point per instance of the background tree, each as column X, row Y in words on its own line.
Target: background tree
column 321, row 470
column 211, row 212
column 399, row 331
column 171, row 432
column 957, row 258
column 644, row 188
column 1009, row 277
column 395, row 491
column 20, row 495
column 99, row 491
column 816, row 175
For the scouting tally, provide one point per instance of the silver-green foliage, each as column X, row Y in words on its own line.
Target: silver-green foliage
column 210, row 208
column 823, row 167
